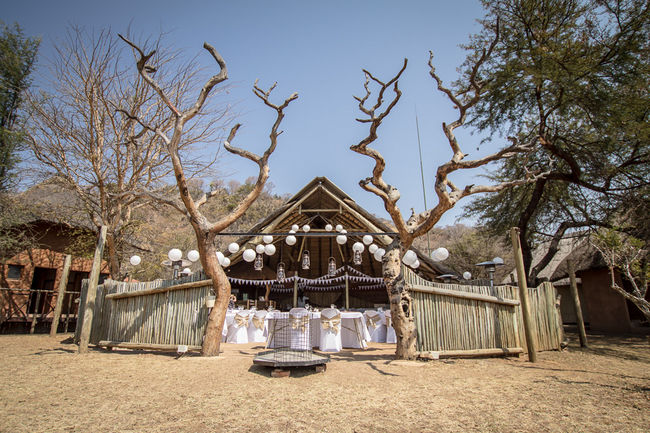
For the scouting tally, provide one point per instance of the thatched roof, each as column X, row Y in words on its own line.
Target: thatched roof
column 318, row 203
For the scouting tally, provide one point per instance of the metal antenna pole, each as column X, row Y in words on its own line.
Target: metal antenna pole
column 424, row 192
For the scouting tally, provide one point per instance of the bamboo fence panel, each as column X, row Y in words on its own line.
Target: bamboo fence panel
column 459, row 317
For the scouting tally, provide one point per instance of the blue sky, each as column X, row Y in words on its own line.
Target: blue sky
column 317, row 49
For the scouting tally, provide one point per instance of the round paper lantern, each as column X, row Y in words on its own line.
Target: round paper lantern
column 339, row 227
column 497, row 260
column 175, row 254
column 367, row 239
column 193, row 255
column 269, row 249
column 233, row 247
column 373, row 248
column 328, row 227
column 259, row 249
column 416, row 264
column 379, row 254
column 343, row 231
column 135, row 260
column 440, row 254
column 186, row 271
column 409, row 257
column 220, row 257
column 267, row 239
column 249, row 255
column 226, row 262
column 341, row 239
column 306, row 228
column 467, row 275
column 358, row 246
column 290, row 240
column 295, row 228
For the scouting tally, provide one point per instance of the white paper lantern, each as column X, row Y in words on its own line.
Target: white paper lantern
column 220, row 257
column 193, row 255
column 295, row 228
column 358, row 246
column 367, row 239
column 267, row 239
column 339, row 227
column 186, row 271
column 259, row 249
column 341, row 239
column 135, row 260
column 416, row 264
column 373, row 248
column 175, row 254
column 409, row 257
column 497, row 260
column 306, row 228
column 290, row 240
column 467, row 275
column 343, row 231
column 269, row 249
column 379, row 254
column 226, row 262
column 249, row 255
column 233, row 247
column 440, row 254
column 328, row 227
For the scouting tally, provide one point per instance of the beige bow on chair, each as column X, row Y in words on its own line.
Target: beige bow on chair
column 299, row 322
column 373, row 320
column 388, row 323
column 258, row 322
column 333, row 323
column 241, row 320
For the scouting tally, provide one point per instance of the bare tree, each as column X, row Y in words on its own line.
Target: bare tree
column 86, row 134
column 447, row 192
column 205, row 230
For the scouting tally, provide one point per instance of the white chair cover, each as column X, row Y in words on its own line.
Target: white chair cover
column 390, row 331
column 299, row 333
column 330, row 330
column 256, row 327
column 238, row 328
column 376, row 324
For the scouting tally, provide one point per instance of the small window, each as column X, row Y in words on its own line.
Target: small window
column 15, row 271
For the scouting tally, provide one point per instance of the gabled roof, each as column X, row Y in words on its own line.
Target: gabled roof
column 321, row 202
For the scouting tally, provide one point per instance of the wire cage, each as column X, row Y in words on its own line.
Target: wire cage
column 290, row 341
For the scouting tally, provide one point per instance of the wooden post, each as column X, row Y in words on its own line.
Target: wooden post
column 523, row 295
column 63, row 283
column 576, row 304
column 89, row 307
column 295, row 291
column 35, row 315
column 347, row 292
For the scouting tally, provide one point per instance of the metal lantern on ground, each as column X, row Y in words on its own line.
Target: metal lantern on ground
column 306, row 261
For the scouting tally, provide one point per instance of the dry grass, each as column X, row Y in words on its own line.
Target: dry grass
column 48, row 387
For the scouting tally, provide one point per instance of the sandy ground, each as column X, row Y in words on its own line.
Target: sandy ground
column 48, row 387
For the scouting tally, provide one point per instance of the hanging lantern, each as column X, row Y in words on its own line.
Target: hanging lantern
column 306, row 228
column 306, row 262
column 373, row 248
column 259, row 249
column 269, row 249
column 233, row 247
column 358, row 246
column 193, row 255
column 220, row 257
column 135, row 260
column 367, row 239
column 249, row 255
column 267, row 239
column 339, row 227
column 467, row 275
column 290, row 240
column 295, row 228
column 328, row 227
column 409, row 257
column 259, row 263
column 331, row 267
column 281, row 274
column 356, row 259
column 226, row 262
column 341, row 239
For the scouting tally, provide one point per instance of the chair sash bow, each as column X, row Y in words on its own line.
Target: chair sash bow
column 333, row 323
column 241, row 320
column 299, row 322
column 258, row 322
column 388, row 322
column 373, row 320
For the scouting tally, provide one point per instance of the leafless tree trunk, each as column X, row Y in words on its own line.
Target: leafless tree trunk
column 204, row 229
column 87, row 134
column 447, row 192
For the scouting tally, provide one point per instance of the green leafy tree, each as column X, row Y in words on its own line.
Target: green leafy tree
column 574, row 76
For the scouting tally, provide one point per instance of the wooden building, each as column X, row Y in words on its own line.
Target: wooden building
column 319, row 204
column 29, row 280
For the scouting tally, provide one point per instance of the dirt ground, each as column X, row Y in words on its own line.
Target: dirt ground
column 48, row 387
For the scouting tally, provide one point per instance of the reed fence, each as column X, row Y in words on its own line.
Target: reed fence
column 458, row 319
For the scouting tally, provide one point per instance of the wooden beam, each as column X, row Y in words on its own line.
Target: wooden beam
column 531, row 344
column 145, row 346
column 576, row 304
column 473, row 353
column 182, row 286
column 89, row 307
column 63, row 283
column 464, row 295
